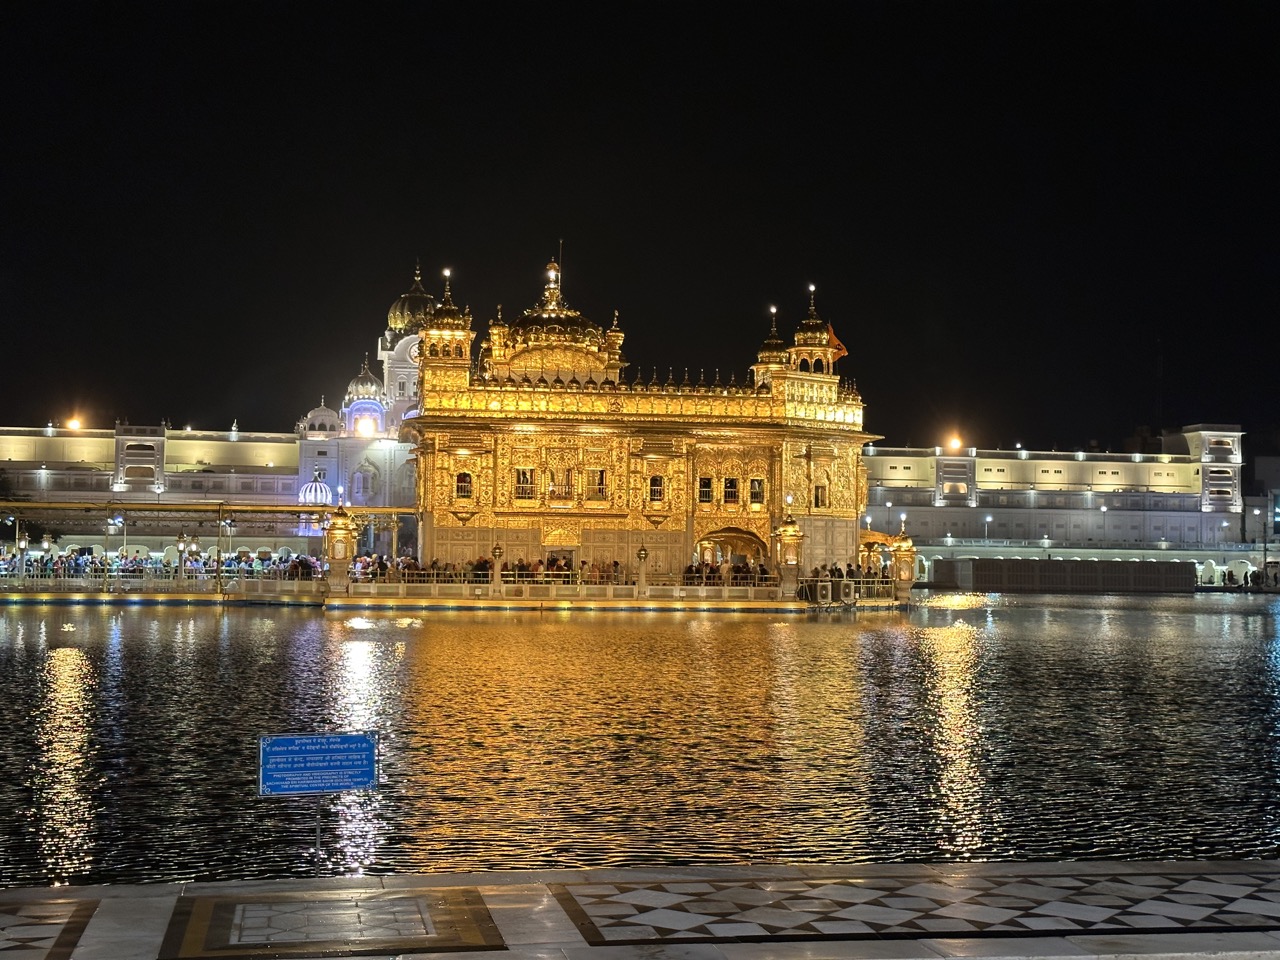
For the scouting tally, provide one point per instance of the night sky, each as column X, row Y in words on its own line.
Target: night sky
column 1037, row 222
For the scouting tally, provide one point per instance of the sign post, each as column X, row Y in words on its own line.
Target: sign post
column 294, row 764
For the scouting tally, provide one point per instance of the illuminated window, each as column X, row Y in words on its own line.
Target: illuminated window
column 655, row 489
column 730, row 489
column 560, row 486
column 819, row 495
column 524, row 484
column 462, row 486
column 704, row 489
column 757, row 490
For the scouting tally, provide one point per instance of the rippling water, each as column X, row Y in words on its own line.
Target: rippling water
column 1001, row 729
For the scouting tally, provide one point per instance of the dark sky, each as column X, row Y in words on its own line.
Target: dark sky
column 1029, row 221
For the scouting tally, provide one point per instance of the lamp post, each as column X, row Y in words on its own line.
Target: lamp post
column 182, row 557
column 226, row 525
column 1258, row 513
column 888, row 516
column 986, row 528
column 903, row 518
column 1103, row 509
column 495, row 575
column 642, row 586
column 114, row 523
column 21, row 544
column 193, row 549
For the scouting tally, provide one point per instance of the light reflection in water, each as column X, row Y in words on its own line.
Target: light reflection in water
column 1024, row 728
column 64, row 780
column 966, row 817
column 366, row 685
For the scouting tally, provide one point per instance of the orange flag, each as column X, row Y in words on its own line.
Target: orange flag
column 834, row 342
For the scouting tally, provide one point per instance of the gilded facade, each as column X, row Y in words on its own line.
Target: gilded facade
column 541, row 442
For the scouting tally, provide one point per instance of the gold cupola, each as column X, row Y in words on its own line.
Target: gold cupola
column 551, row 335
column 413, row 310
column 816, row 347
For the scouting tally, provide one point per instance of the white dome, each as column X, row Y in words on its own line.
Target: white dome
column 316, row 493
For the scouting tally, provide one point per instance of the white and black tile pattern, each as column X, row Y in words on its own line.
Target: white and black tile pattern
column 903, row 907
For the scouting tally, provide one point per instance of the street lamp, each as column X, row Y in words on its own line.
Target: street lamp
column 986, row 528
column 182, row 556
column 903, row 517
column 1103, row 508
column 888, row 515
column 642, row 586
column 21, row 544
column 1258, row 513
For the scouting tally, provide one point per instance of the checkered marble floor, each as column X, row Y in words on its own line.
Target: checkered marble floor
column 904, row 907
column 42, row 931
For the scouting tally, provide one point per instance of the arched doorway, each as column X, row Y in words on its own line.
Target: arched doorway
column 732, row 544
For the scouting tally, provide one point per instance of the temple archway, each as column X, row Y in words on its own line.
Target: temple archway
column 733, row 544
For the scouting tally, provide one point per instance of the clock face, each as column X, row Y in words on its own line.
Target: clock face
column 415, row 351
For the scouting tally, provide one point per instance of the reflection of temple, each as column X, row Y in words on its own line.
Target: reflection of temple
column 547, row 445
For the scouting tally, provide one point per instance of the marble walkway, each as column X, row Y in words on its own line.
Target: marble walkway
column 1073, row 909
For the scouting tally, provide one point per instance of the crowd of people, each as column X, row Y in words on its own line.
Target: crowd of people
column 379, row 567
column 139, row 566
column 850, row 571
column 726, row 574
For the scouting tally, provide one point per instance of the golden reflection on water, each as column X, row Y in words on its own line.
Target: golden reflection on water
column 527, row 741
column 63, row 783
column 365, row 700
column 961, row 783
column 959, row 601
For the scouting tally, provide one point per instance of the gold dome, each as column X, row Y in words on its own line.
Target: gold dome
column 412, row 311
column 447, row 316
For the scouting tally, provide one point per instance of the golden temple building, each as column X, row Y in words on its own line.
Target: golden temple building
column 542, row 444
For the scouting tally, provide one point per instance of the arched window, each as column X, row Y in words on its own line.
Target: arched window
column 457, row 350
column 655, row 489
column 804, row 365
column 433, row 351
column 462, row 486
column 817, row 366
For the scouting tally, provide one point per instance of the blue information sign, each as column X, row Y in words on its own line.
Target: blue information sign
column 317, row 763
